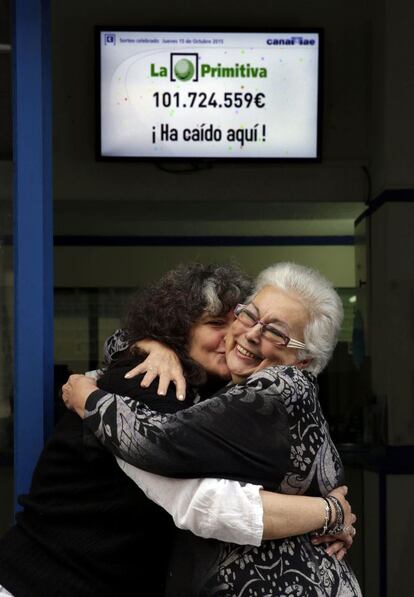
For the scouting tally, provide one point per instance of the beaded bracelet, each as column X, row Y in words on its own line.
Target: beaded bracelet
column 328, row 520
column 338, row 527
column 331, row 512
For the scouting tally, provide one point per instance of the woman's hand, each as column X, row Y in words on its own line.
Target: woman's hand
column 341, row 542
column 161, row 362
column 75, row 392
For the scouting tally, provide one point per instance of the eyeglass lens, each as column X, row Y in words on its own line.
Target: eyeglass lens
column 268, row 331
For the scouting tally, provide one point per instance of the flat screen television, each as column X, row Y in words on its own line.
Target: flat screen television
column 219, row 95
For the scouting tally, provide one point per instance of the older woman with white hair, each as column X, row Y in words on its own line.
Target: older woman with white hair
column 267, row 428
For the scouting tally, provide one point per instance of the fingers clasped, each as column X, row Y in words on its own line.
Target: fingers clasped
column 351, row 530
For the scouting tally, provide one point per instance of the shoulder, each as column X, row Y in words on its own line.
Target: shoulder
column 115, row 344
column 113, row 381
column 282, row 379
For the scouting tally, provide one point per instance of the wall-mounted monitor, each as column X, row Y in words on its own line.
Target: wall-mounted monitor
column 209, row 94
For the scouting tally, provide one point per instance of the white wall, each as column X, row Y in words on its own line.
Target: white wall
column 77, row 267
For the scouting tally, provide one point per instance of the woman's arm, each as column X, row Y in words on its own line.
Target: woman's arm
column 241, row 433
column 233, row 512
column 282, row 518
column 210, row 508
column 285, row 515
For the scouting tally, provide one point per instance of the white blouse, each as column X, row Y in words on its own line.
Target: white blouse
column 211, row 508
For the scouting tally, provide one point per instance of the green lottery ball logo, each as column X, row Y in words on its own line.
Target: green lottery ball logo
column 184, row 69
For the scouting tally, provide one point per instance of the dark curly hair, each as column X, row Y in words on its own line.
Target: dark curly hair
column 167, row 310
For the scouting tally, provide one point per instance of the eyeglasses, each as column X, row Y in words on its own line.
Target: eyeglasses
column 268, row 331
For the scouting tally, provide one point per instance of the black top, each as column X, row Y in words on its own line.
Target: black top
column 86, row 529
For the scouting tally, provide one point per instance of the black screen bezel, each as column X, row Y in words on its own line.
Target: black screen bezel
column 198, row 159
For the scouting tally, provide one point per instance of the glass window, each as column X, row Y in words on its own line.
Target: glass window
column 342, row 384
column 84, row 318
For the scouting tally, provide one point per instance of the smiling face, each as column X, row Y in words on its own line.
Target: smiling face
column 207, row 345
column 247, row 351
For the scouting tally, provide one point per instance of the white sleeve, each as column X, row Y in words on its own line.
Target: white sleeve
column 94, row 374
column 211, row 508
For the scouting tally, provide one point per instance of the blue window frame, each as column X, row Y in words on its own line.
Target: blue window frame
column 33, row 236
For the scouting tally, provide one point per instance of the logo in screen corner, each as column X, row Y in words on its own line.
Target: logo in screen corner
column 109, row 39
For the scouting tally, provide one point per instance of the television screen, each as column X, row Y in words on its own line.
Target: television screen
column 219, row 95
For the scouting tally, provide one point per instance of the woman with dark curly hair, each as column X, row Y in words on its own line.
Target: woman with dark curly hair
column 85, row 529
column 169, row 309
column 267, row 428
